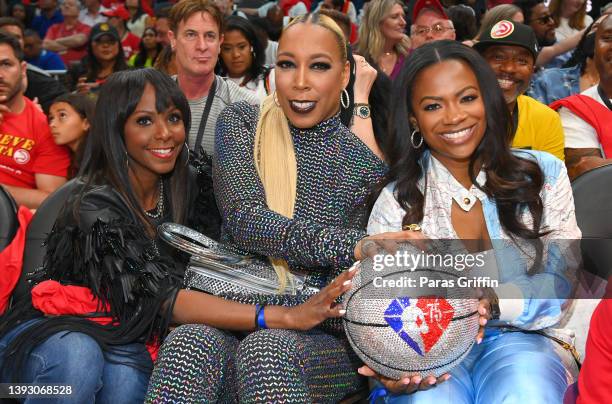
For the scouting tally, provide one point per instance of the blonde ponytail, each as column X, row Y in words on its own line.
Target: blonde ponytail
column 276, row 165
column 274, row 154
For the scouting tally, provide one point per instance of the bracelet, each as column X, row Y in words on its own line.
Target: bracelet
column 260, row 321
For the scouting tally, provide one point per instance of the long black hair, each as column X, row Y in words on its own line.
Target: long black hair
column 143, row 53
column 513, row 182
column 92, row 67
column 85, row 106
column 235, row 23
column 106, row 158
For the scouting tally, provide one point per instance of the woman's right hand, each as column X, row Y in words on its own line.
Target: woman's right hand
column 323, row 305
column 389, row 242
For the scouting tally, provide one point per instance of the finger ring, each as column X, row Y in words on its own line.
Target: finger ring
column 411, row 227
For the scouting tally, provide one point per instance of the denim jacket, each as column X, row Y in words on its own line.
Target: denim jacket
column 554, row 84
column 544, row 293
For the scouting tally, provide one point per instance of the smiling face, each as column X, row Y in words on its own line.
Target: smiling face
column 67, row 126
column 309, row 74
column 393, row 26
column 197, row 44
column 449, row 110
column 153, row 139
column 513, row 66
column 603, row 52
column 236, row 53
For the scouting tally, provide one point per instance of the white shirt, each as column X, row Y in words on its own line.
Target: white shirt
column 271, row 51
column 578, row 133
column 564, row 31
column 88, row 19
column 257, row 86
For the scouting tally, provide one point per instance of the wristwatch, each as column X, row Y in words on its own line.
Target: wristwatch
column 362, row 110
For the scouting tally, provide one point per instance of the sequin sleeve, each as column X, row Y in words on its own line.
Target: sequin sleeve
column 248, row 222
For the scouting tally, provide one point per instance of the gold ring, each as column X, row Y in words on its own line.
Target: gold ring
column 411, row 227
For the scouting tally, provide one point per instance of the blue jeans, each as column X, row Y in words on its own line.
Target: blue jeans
column 76, row 359
column 508, row 368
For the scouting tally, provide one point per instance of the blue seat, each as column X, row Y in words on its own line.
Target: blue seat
column 8, row 218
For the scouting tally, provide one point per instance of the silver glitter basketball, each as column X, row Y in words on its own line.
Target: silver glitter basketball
column 401, row 327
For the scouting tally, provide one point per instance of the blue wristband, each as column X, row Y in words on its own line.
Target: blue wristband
column 261, row 321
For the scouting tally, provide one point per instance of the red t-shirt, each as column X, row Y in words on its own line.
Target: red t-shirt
column 130, row 44
column 60, row 30
column 594, row 380
column 27, row 148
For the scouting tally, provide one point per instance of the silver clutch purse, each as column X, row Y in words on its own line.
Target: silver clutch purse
column 215, row 269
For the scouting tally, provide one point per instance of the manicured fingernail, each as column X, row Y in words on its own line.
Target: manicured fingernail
column 360, row 371
column 406, row 381
column 342, row 312
column 479, row 340
column 354, row 267
column 432, row 382
column 447, row 377
column 418, row 380
column 346, row 283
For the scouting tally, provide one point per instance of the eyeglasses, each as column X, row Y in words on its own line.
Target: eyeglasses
column 436, row 29
column 543, row 20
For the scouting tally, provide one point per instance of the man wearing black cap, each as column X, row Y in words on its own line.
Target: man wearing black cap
column 511, row 50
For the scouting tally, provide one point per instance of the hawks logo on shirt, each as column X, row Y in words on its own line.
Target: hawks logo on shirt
column 502, row 29
column 419, row 322
column 21, row 156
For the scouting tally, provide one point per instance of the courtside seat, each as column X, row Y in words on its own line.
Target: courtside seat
column 39, row 228
column 593, row 199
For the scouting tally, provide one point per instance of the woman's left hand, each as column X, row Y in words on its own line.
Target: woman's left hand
column 365, row 76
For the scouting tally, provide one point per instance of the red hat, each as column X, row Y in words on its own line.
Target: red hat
column 433, row 4
column 118, row 11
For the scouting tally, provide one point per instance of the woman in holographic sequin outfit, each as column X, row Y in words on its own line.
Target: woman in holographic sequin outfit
column 302, row 204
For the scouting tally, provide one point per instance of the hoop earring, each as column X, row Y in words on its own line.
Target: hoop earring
column 275, row 98
column 414, row 132
column 347, row 103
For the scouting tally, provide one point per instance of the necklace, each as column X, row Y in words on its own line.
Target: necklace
column 159, row 207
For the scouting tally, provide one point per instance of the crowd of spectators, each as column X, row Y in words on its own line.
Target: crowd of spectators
column 552, row 61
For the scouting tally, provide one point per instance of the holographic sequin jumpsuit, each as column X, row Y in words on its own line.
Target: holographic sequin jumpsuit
column 336, row 172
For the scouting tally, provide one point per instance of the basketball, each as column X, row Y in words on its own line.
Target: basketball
column 399, row 324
